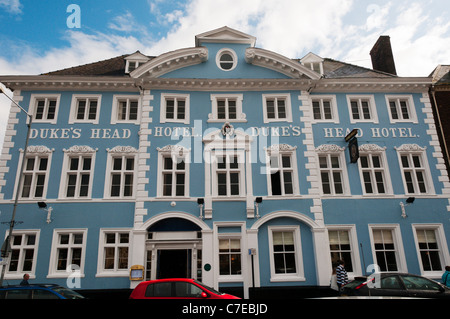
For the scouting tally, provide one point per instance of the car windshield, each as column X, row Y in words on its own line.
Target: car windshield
column 209, row 288
column 67, row 293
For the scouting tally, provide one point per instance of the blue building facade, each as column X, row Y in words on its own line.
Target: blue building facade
column 226, row 163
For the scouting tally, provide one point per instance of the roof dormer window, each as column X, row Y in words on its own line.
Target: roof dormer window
column 313, row 62
column 134, row 61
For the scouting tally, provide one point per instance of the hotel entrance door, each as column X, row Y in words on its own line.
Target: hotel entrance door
column 174, row 263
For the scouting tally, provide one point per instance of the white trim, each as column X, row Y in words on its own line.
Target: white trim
column 410, row 105
column 32, row 107
column 115, row 108
column 333, row 105
column 230, row 52
column 283, row 96
column 398, row 242
column 354, row 247
column 175, row 152
column 299, row 274
column 101, row 271
column 76, row 151
column 19, row 274
column 291, row 151
column 122, row 152
column 372, row 108
column 163, row 105
column 443, row 248
column 370, row 150
column 74, row 108
column 213, row 116
column 411, row 150
column 52, row 269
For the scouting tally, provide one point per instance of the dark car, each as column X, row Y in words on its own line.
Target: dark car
column 176, row 288
column 38, row 291
column 396, row 284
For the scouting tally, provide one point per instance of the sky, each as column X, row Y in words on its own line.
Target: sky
column 38, row 36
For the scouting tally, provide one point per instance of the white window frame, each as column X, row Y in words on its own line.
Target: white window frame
column 279, row 151
column 115, row 272
column 333, row 107
column 371, row 150
column 287, row 100
column 354, row 247
column 299, row 275
column 123, row 153
column 80, row 152
column 409, row 104
column 329, row 150
column 371, row 104
column 241, row 170
column 33, row 107
column 163, row 116
column 411, row 150
column 74, row 108
column 19, row 273
column 442, row 246
column 115, row 109
column 398, row 244
column 213, row 116
column 175, row 152
column 230, row 52
column 53, row 272
column 36, row 152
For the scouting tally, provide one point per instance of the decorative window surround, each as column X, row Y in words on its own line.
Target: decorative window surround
column 37, row 152
column 377, row 167
column 286, row 158
column 124, row 154
column 91, row 102
column 131, row 115
column 226, row 59
column 415, row 170
column 232, row 108
column 281, row 105
column 366, row 112
column 333, row 170
column 401, row 109
column 181, row 108
column 175, row 153
column 86, row 163
column 47, row 111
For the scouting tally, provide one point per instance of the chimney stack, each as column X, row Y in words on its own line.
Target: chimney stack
column 382, row 57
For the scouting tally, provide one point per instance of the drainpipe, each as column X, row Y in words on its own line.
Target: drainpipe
column 432, row 91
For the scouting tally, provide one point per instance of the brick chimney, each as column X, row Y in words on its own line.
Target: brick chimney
column 382, row 57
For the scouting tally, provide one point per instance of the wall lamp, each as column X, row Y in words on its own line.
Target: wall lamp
column 43, row 206
column 409, row 201
column 201, row 202
column 258, row 200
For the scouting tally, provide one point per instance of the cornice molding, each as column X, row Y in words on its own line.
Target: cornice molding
column 171, row 61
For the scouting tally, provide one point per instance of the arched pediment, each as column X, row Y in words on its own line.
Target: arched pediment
column 279, row 63
column 171, row 61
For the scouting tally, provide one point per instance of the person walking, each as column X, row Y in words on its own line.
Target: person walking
column 341, row 275
column 446, row 277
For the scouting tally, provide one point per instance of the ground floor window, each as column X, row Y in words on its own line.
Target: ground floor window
column 23, row 252
column 230, row 256
column 429, row 242
column 68, row 251
column 285, row 253
column 340, row 248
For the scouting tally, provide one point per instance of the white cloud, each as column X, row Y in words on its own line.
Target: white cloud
column 12, row 6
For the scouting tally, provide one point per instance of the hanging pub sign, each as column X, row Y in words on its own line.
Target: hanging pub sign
column 353, row 145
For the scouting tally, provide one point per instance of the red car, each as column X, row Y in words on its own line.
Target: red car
column 176, row 288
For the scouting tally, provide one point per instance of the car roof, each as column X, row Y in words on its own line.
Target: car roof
column 31, row 286
column 168, row 280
